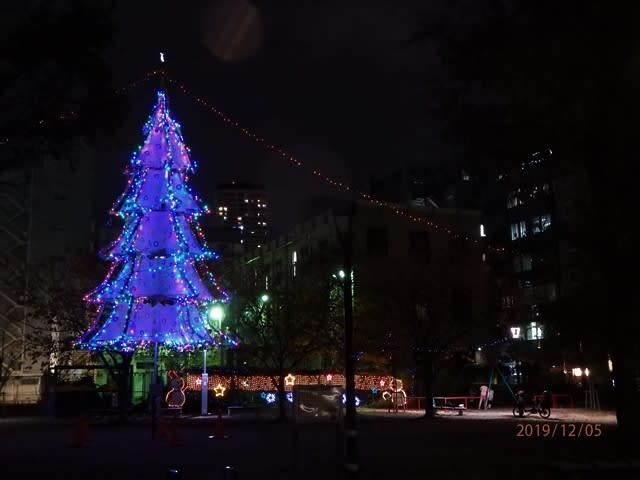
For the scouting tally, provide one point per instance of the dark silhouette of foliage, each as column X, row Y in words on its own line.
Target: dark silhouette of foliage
column 522, row 76
column 54, row 77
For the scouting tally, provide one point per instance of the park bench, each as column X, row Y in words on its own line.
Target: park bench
column 449, row 403
column 459, row 408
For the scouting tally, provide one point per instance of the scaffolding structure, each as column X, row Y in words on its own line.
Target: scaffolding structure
column 16, row 220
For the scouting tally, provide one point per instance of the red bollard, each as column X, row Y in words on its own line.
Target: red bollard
column 163, row 431
column 174, row 439
column 81, row 435
column 219, row 431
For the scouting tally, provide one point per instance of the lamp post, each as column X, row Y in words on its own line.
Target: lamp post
column 216, row 315
column 346, row 275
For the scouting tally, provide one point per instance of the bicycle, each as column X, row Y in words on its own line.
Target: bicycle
column 541, row 406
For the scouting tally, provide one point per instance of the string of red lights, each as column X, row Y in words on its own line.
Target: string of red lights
column 344, row 186
column 292, row 159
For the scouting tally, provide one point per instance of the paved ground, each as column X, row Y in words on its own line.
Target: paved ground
column 480, row 445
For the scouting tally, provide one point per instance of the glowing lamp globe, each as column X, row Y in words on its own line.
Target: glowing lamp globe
column 216, row 314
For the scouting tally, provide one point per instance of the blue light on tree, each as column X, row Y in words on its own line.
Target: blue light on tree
column 158, row 288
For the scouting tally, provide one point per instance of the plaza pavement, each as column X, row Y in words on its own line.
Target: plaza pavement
column 477, row 445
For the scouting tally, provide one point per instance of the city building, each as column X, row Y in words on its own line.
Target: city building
column 535, row 210
column 243, row 208
column 429, row 186
column 387, row 247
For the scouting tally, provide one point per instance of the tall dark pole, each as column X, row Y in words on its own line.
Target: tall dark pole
column 351, row 447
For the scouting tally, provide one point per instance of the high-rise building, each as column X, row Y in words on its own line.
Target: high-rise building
column 535, row 210
column 244, row 207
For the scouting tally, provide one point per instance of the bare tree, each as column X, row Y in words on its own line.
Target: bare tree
column 56, row 316
column 286, row 326
column 419, row 317
column 54, row 72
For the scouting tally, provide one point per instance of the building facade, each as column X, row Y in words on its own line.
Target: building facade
column 391, row 255
column 244, row 209
column 536, row 211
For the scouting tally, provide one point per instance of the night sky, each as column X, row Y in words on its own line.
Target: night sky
column 336, row 83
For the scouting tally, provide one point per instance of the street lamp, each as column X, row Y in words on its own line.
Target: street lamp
column 346, row 276
column 215, row 315
column 264, row 298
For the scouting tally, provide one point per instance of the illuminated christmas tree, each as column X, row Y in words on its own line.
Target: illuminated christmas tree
column 158, row 289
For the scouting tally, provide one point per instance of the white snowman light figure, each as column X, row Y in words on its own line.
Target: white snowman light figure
column 396, row 395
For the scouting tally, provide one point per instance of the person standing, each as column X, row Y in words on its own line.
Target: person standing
column 484, row 392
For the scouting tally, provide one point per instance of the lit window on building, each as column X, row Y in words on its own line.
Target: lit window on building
column 507, row 302
column 534, row 192
column 534, row 331
column 515, row 332
column 541, row 223
column 535, row 312
column 518, row 230
column 513, row 200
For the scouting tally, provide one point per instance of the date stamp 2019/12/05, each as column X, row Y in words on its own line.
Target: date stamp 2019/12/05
column 558, row 430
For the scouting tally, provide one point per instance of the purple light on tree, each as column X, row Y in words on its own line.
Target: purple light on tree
column 158, row 289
